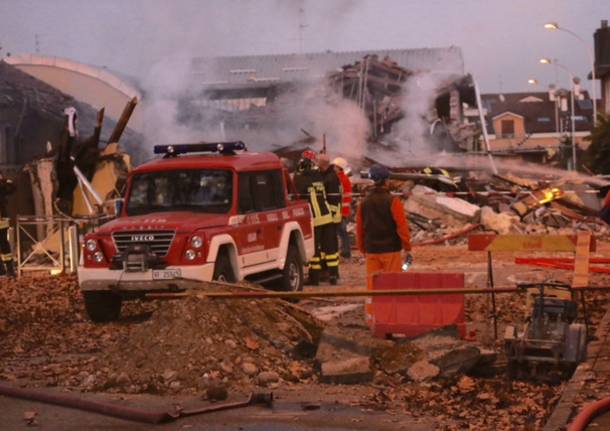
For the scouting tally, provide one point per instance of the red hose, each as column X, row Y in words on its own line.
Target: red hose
column 588, row 413
column 74, row 402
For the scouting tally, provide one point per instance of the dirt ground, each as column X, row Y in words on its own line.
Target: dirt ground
column 185, row 348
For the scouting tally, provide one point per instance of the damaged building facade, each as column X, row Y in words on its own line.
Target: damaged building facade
column 252, row 94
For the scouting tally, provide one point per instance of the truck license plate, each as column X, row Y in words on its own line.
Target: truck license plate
column 166, row 274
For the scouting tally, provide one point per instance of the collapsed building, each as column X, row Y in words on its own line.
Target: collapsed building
column 266, row 98
column 51, row 144
column 35, row 128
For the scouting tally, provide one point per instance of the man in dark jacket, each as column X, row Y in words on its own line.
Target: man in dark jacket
column 382, row 230
column 309, row 185
column 332, row 185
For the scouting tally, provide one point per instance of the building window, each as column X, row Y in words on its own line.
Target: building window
column 544, row 119
column 508, row 129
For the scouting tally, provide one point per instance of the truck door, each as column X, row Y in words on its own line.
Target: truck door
column 250, row 231
column 269, row 200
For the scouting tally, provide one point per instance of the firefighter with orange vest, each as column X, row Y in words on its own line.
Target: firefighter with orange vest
column 382, row 231
column 309, row 184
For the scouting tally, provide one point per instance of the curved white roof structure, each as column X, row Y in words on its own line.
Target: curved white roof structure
column 89, row 84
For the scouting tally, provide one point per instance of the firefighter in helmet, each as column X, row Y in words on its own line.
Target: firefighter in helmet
column 334, row 194
column 7, row 267
column 309, row 184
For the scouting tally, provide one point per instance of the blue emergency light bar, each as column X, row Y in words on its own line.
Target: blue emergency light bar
column 200, row 147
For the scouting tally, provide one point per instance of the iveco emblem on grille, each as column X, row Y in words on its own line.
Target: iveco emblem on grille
column 140, row 238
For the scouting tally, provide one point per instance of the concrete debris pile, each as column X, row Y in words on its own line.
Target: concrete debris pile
column 185, row 346
column 349, row 355
column 194, row 344
column 500, row 204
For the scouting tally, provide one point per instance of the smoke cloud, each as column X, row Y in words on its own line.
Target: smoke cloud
column 413, row 132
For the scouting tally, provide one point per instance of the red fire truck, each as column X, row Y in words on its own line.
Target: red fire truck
column 222, row 215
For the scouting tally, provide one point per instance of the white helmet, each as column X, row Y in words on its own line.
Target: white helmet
column 341, row 162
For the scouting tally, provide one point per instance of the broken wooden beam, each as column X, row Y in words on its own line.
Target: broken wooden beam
column 123, row 120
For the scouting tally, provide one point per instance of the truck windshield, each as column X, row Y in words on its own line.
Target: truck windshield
column 209, row 191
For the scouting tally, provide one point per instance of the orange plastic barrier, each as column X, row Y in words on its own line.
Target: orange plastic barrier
column 414, row 315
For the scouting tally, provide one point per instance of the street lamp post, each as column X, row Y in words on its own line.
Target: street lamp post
column 573, row 114
column 555, row 26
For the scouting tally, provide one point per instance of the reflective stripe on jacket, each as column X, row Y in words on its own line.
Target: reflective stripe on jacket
column 310, row 185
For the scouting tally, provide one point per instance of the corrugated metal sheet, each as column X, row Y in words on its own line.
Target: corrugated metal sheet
column 221, row 71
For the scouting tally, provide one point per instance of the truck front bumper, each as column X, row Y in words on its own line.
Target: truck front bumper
column 104, row 279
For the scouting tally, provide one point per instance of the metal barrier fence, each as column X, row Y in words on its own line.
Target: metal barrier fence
column 50, row 244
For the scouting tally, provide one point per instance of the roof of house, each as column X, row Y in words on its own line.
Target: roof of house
column 536, row 109
column 218, row 71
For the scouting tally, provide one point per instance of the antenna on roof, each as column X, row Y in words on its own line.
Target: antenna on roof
column 302, row 27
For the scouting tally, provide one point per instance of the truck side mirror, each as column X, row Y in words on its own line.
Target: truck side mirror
column 118, row 206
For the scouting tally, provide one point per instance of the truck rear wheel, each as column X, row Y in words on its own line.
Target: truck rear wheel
column 102, row 306
column 223, row 271
column 292, row 274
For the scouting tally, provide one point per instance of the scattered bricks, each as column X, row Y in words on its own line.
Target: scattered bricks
column 451, row 211
column 456, row 360
column 343, row 355
column 422, row 371
column 349, row 371
column 267, row 377
column 499, row 223
column 340, row 343
column 450, row 355
column 397, row 358
column 169, row 375
column 249, row 368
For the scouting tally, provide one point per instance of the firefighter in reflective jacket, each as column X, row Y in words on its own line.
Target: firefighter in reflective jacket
column 334, row 194
column 7, row 267
column 309, row 184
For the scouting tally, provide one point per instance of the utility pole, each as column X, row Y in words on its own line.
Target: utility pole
column 36, row 43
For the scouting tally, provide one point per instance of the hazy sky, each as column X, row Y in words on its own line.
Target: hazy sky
column 501, row 40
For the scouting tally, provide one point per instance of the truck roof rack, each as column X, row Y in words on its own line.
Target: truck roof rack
column 226, row 148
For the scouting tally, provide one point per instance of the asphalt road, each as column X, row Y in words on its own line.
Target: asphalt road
column 285, row 415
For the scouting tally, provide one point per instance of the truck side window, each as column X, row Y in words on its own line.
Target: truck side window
column 263, row 193
column 245, row 201
column 268, row 190
column 260, row 191
column 277, row 183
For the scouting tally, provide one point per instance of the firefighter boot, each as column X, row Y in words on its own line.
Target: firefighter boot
column 313, row 277
column 10, row 268
column 333, row 275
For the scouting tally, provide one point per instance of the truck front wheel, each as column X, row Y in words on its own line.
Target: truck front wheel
column 223, row 271
column 292, row 275
column 102, row 306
